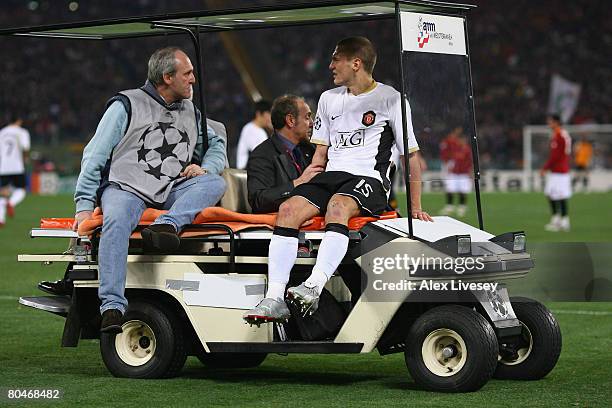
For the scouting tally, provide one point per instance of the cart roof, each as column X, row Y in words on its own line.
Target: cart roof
column 236, row 19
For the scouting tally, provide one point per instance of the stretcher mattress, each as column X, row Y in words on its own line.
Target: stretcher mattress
column 212, row 215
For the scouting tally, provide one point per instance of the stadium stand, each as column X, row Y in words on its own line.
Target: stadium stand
column 515, row 50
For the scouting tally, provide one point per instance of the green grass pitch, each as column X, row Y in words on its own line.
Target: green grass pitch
column 30, row 356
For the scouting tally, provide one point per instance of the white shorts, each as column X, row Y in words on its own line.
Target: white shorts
column 558, row 186
column 458, row 183
column 444, row 173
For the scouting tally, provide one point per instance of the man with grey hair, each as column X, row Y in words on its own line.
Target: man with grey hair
column 148, row 151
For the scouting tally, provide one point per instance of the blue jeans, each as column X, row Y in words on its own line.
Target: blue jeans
column 122, row 211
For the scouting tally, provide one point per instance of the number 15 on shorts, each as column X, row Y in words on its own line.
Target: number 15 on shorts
column 363, row 188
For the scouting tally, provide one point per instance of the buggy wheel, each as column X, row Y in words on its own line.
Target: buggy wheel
column 231, row 360
column 537, row 351
column 150, row 346
column 451, row 348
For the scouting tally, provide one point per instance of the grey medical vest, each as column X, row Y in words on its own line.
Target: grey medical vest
column 157, row 146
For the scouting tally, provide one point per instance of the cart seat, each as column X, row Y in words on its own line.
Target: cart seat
column 233, row 213
column 212, row 215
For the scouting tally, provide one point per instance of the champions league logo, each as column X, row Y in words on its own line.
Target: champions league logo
column 165, row 160
column 424, row 29
column 497, row 303
column 317, row 123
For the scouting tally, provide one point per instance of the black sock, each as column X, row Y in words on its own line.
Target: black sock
column 449, row 198
column 563, row 206
column 462, row 198
column 553, row 206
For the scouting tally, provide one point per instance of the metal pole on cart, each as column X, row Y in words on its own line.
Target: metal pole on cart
column 398, row 25
column 474, row 141
column 195, row 38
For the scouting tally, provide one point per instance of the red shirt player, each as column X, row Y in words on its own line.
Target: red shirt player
column 462, row 159
column 457, row 158
column 560, row 149
column 447, row 148
column 558, row 183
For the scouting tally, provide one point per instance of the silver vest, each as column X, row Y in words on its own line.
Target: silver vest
column 157, row 146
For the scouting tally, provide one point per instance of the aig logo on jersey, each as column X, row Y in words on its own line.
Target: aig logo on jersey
column 368, row 118
column 348, row 140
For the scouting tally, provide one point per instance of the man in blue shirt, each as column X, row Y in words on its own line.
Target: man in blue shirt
column 148, row 151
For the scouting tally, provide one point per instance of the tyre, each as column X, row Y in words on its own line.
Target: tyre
column 536, row 353
column 231, row 360
column 451, row 348
column 151, row 345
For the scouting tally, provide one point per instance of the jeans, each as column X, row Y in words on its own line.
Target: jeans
column 122, row 211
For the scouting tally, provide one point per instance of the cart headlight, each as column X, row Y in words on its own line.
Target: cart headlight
column 518, row 242
column 512, row 241
column 455, row 245
column 464, row 244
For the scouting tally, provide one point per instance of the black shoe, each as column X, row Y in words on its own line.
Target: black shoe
column 60, row 287
column 112, row 320
column 162, row 237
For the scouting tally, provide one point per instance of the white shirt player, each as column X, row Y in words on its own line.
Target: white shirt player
column 361, row 130
column 251, row 136
column 14, row 140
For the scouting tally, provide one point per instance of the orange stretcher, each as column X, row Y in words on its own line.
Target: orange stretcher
column 211, row 215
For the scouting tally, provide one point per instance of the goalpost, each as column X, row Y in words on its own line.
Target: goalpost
column 536, row 149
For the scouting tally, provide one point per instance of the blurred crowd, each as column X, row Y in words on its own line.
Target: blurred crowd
column 61, row 86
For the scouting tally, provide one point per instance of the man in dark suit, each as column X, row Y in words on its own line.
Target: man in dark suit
column 282, row 162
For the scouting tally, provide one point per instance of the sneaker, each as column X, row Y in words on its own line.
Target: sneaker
column 564, row 224
column 268, row 310
column 447, row 210
column 305, row 298
column 161, row 237
column 461, row 211
column 10, row 210
column 554, row 224
column 112, row 320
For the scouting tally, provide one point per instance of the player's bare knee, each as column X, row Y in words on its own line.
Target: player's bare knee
column 339, row 209
column 288, row 214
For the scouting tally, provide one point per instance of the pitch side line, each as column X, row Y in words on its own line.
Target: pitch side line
column 583, row 312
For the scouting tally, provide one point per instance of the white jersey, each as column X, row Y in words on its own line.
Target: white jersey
column 361, row 130
column 251, row 136
column 14, row 140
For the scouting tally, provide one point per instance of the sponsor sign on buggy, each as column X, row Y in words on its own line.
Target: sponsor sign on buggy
column 433, row 33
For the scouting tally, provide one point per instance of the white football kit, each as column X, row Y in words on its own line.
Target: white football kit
column 14, row 140
column 361, row 130
column 251, row 136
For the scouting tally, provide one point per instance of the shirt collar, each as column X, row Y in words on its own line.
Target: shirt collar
column 150, row 89
column 286, row 142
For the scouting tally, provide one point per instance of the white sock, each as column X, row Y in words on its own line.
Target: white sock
column 17, row 196
column 276, row 290
column 331, row 252
column 281, row 258
column 2, row 210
